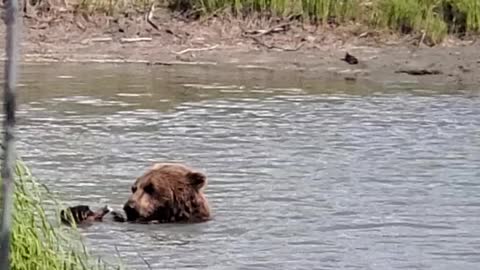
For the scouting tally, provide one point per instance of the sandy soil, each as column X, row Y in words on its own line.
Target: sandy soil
column 382, row 57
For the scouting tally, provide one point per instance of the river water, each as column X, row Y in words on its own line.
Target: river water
column 303, row 174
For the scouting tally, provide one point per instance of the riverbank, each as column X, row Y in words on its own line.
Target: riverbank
column 168, row 39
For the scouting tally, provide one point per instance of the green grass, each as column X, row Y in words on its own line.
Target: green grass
column 38, row 240
column 435, row 18
column 409, row 16
column 467, row 14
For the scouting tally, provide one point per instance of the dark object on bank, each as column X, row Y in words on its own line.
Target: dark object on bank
column 419, row 72
column 82, row 214
column 464, row 69
column 352, row 60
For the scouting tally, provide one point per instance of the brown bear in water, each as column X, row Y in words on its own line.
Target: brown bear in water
column 168, row 192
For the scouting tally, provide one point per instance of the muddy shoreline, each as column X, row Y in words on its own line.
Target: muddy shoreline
column 315, row 51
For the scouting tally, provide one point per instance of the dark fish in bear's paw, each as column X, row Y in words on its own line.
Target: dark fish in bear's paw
column 82, row 214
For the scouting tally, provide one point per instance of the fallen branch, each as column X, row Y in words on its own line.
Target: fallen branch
column 170, row 31
column 79, row 25
column 132, row 40
column 103, row 39
column 149, row 17
column 196, row 49
column 261, row 32
column 171, row 63
column 419, row 72
column 270, row 47
column 102, row 61
column 159, row 63
column 39, row 26
column 422, row 38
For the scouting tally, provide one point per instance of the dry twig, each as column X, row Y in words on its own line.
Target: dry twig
column 419, row 72
column 149, row 17
column 100, row 39
column 422, row 38
column 261, row 32
column 132, row 40
column 196, row 49
column 296, row 48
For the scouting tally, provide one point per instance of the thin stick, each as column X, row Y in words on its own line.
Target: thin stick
column 149, row 17
column 12, row 23
column 257, row 40
column 131, row 40
column 196, row 49
column 261, row 32
column 422, row 38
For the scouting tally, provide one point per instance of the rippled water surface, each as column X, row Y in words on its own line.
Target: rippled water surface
column 303, row 174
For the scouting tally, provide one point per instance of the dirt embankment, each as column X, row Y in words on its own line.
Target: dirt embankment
column 318, row 51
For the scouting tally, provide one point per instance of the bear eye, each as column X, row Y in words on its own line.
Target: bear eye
column 134, row 188
column 149, row 189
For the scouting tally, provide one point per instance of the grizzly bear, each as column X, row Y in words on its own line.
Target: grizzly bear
column 168, row 192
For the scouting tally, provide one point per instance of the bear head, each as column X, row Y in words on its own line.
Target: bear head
column 168, row 192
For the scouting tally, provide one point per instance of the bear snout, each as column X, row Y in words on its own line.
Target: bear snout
column 130, row 211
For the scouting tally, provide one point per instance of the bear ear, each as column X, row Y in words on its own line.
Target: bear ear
column 197, row 179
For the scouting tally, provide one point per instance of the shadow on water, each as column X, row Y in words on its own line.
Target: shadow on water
column 303, row 173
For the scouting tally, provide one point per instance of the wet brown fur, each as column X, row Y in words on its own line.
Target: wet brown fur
column 168, row 192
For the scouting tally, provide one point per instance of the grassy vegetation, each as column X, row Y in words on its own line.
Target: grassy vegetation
column 435, row 18
column 38, row 242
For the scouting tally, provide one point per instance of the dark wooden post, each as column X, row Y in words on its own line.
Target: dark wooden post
column 9, row 107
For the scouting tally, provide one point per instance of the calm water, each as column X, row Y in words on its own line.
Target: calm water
column 303, row 174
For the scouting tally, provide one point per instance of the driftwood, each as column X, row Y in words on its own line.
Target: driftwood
column 196, row 49
column 419, row 72
column 422, row 39
column 101, row 39
column 149, row 17
column 171, row 63
column 272, row 46
column 80, row 25
column 261, row 32
column 132, row 40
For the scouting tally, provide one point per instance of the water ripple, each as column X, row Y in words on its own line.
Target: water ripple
column 297, row 180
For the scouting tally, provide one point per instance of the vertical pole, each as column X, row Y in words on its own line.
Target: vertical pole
column 9, row 106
